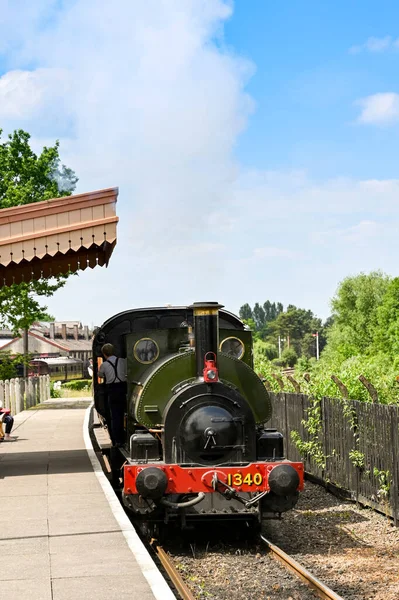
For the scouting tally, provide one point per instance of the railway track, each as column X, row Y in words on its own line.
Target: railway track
column 173, row 574
column 321, row 590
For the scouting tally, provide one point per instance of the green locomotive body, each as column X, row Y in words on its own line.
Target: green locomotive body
column 196, row 445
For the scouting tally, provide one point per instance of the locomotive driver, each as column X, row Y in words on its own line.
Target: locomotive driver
column 113, row 370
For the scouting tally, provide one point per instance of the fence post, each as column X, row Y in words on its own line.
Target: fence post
column 29, row 393
column 23, row 393
column 369, row 387
column 26, row 393
column 342, row 387
column 395, row 487
column 279, row 381
column 37, row 391
column 265, row 382
column 6, row 394
column 12, row 396
column 18, row 403
column 295, row 384
column 324, row 429
column 48, row 395
column 41, row 394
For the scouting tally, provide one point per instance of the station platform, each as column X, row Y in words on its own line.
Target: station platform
column 63, row 532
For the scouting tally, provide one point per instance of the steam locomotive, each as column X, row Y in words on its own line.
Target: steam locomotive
column 196, row 445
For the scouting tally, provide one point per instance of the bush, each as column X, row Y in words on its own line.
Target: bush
column 378, row 369
column 265, row 349
column 54, row 393
column 289, row 357
column 303, row 365
column 8, row 370
column 77, row 385
column 278, row 362
column 11, row 366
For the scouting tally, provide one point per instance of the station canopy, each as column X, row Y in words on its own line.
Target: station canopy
column 55, row 236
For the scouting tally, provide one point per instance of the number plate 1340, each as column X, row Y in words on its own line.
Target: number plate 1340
column 248, row 479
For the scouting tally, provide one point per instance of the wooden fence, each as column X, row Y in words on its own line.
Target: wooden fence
column 19, row 394
column 359, row 442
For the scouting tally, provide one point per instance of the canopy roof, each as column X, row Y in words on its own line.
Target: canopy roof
column 56, row 236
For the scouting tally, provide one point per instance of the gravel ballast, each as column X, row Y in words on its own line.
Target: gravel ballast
column 353, row 550
column 232, row 572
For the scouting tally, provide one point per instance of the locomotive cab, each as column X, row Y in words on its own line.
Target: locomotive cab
column 197, row 446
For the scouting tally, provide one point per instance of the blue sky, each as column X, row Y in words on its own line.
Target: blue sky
column 306, row 82
column 254, row 143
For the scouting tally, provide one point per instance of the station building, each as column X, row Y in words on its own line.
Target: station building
column 51, row 340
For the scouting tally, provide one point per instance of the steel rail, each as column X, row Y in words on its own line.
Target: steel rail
column 292, row 565
column 172, row 572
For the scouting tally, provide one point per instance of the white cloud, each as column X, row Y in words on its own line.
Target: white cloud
column 271, row 197
column 379, row 108
column 25, row 95
column 362, row 232
column 356, row 235
column 143, row 98
column 148, row 102
column 272, row 252
column 375, row 45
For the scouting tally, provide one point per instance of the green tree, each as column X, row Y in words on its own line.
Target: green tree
column 289, row 357
column 295, row 323
column 270, row 321
column 259, row 316
column 272, row 310
column 245, row 312
column 267, row 307
column 265, row 350
column 251, row 324
column 355, row 313
column 25, row 178
column 19, row 307
column 10, row 365
column 387, row 331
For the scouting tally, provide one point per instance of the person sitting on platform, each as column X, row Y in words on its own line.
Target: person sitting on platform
column 113, row 370
column 8, row 420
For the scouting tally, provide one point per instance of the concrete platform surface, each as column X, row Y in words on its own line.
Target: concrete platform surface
column 60, row 537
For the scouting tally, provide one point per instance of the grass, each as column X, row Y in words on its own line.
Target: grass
column 66, row 393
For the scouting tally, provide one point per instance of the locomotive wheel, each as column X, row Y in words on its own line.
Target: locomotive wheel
column 151, row 530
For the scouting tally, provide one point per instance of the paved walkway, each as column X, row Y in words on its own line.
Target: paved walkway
column 59, row 539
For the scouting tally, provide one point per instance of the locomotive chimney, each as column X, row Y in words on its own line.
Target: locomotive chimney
column 206, row 331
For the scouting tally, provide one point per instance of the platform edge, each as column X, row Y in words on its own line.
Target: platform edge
column 157, row 583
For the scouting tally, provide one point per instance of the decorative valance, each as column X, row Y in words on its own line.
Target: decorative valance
column 56, row 236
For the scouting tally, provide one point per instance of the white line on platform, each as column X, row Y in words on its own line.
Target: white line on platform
column 158, row 585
